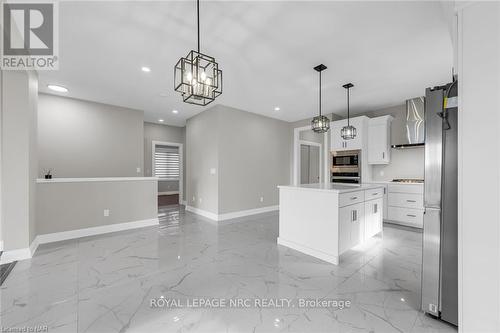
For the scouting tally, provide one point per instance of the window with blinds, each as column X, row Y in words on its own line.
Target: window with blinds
column 166, row 163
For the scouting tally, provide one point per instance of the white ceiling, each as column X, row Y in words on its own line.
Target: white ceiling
column 391, row 51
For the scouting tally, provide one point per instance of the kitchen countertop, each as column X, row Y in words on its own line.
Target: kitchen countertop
column 392, row 183
column 331, row 187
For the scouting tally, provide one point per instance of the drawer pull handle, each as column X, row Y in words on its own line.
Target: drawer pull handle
column 411, row 215
column 411, row 201
column 376, row 193
column 354, row 198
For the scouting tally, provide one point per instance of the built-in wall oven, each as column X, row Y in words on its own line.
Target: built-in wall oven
column 346, row 166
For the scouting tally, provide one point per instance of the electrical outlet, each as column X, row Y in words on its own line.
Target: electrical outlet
column 138, row 170
column 200, row 200
column 106, row 212
column 261, row 199
column 194, row 198
column 213, row 171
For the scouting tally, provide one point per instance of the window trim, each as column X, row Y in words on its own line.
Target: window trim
column 155, row 143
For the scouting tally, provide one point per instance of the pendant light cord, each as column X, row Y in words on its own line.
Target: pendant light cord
column 348, row 106
column 198, row 16
column 320, row 94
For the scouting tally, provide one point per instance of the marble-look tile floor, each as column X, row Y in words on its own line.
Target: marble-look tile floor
column 106, row 283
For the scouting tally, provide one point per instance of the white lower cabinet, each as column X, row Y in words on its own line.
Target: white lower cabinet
column 407, row 216
column 374, row 211
column 361, row 221
column 352, row 226
column 406, row 204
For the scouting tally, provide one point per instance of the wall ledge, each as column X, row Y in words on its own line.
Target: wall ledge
column 98, row 179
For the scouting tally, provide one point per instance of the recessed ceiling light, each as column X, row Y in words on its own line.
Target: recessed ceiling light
column 146, row 69
column 57, row 88
column 277, row 108
column 160, row 120
column 175, row 111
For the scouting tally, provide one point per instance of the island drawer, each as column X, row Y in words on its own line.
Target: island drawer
column 374, row 193
column 346, row 199
column 406, row 200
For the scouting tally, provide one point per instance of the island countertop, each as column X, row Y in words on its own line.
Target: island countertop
column 340, row 188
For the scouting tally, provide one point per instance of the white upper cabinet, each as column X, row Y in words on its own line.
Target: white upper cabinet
column 379, row 140
column 337, row 143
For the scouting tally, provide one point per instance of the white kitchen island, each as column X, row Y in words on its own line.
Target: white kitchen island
column 325, row 220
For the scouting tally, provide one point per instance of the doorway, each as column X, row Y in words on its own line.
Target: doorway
column 310, row 151
column 310, row 162
column 167, row 166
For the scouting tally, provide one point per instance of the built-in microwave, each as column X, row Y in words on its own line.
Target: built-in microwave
column 346, row 158
column 346, row 167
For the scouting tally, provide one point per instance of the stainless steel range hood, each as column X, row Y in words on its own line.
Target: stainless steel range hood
column 414, row 126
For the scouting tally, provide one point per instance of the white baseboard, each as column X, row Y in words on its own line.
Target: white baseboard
column 201, row 212
column 168, row 193
column 248, row 212
column 232, row 215
column 78, row 233
column 307, row 250
column 21, row 254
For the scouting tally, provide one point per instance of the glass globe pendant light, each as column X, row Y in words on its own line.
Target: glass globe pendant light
column 197, row 77
column 320, row 123
column 348, row 132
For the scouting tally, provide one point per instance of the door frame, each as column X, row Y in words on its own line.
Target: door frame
column 181, row 163
column 296, row 155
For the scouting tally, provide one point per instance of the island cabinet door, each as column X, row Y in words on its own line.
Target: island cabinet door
column 351, row 226
column 373, row 217
column 358, row 224
column 345, row 224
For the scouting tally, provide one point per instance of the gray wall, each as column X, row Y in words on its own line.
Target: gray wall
column 248, row 152
column 253, row 159
column 165, row 133
column 86, row 139
column 70, row 206
column 202, row 151
column 19, row 158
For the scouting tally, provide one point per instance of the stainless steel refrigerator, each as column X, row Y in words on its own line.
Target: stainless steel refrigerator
column 440, row 234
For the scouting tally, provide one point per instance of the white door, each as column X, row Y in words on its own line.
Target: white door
column 345, row 224
column 310, row 164
column 314, row 164
column 377, row 144
column 358, row 224
column 357, row 142
column 304, row 164
column 336, row 140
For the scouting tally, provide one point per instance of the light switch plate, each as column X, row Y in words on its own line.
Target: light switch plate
column 213, row 171
column 106, row 212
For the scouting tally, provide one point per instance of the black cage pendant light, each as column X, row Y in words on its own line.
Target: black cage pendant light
column 197, row 76
column 348, row 132
column 320, row 123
